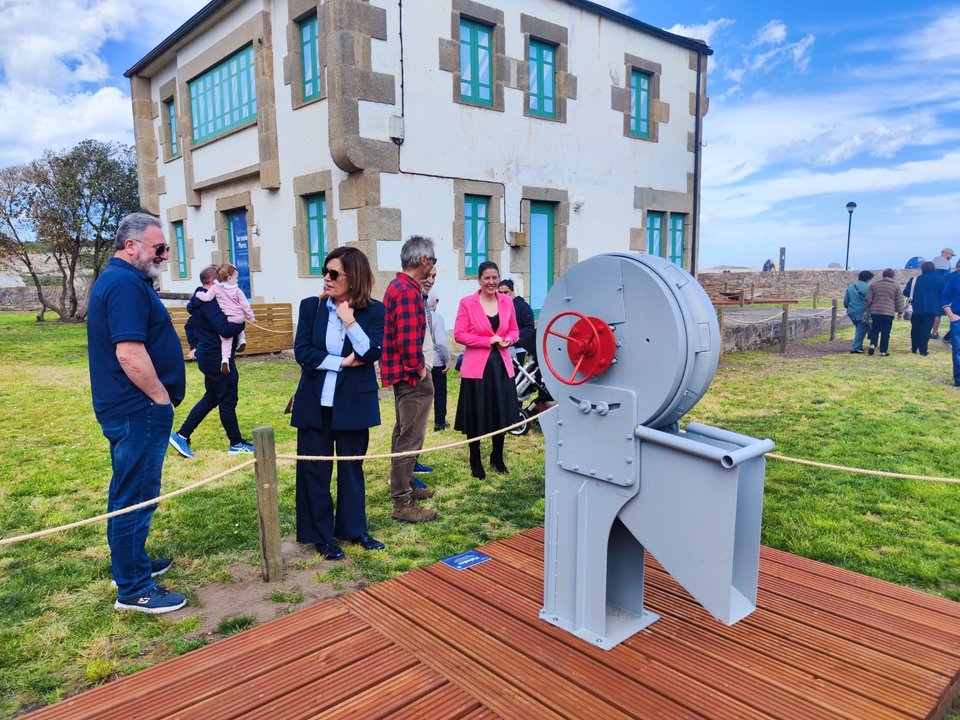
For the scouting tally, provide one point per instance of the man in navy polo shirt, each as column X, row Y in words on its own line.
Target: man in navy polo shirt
column 137, row 377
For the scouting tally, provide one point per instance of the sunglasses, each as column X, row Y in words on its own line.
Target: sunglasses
column 433, row 260
column 158, row 249
column 334, row 274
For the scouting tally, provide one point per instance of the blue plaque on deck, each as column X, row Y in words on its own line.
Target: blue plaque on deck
column 465, row 559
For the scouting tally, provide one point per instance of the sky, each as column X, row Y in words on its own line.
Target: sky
column 812, row 105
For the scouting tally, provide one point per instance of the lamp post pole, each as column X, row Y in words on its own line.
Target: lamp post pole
column 851, row 206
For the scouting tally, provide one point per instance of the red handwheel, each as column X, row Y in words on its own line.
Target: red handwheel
column 590, row 347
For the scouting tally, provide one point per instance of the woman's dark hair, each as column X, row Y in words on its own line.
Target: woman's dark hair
column 507, row 283
column 359, row 275
column 927, row 267
column 865, row 276
column 888, row 273
column 487, row 265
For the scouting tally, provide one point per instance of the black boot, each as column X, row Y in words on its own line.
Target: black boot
column 476, row 464
column 496, row 455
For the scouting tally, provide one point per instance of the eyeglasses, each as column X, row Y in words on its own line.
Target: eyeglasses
column 158, row 249
column 433, row 260
column 334, row 274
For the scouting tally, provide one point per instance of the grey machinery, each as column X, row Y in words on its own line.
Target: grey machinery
column 629, row 343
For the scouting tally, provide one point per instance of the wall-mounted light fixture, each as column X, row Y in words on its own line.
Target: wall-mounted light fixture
column 255, row 230
column 211, row 239
column 577, row 203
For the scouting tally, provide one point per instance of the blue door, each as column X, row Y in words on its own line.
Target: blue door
column 239, row 250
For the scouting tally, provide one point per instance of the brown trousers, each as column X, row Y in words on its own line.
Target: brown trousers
column 412, row 406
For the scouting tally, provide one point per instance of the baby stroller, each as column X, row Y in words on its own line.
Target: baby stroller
column 530, row 388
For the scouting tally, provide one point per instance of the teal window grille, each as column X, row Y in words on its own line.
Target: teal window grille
column 542, row 216
column 476, row 210
column 640, row 104
column 543, row 79
column 676, row 238
column 172, row 125
column 316, row 231
column 476, row 71
column 181, row 249
column 655, row 233
column 224, row 97
column 310, row 54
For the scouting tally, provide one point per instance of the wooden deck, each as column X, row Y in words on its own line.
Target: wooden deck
column 440, row 644
column 275, row 331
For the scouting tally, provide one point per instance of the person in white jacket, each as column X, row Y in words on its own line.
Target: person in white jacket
column 436, row 352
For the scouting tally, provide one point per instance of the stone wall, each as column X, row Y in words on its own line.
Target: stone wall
column 24, row 299
column 788, row 284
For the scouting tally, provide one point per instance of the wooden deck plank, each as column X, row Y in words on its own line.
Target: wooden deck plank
column 448, row 702
column 379, row 701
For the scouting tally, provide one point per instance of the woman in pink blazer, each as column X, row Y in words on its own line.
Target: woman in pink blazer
column 486, row 326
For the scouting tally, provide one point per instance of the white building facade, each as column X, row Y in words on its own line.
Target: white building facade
column 533, row 133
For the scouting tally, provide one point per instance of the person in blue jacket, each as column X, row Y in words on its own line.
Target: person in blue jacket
column 855, row 302
column 950, row 302
column 924, row 292
column 339, row 338
column 204, row 329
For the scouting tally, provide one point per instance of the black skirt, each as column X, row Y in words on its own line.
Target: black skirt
column 487, row 404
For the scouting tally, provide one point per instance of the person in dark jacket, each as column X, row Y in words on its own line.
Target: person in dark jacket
column 525, row 318
column 207, row 324
column 884, row 300
column 924, row 291
column 339, row 338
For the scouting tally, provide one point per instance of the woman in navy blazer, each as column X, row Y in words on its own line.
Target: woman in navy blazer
column 339, row 337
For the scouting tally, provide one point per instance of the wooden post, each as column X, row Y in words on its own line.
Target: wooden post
column 268, row 508
column 833, row 320
column 816, row 296
column 742, row 294
column 752, row 288
column 783, row 328
column 720, row 323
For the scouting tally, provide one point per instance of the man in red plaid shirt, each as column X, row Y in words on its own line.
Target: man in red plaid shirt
column 402, row 367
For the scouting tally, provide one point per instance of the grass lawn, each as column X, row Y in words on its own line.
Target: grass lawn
column 59, row 634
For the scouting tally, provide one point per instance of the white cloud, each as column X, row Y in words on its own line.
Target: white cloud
column 704, row 31
column 773, row 33
column 622, row 6
column 938, row 41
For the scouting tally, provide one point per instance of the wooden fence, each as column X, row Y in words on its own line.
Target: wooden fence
column 272, row 333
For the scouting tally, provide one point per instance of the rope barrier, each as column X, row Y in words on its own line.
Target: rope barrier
column 269, row 330
column 862, row 471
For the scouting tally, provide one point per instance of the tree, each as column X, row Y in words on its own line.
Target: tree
column 67, row 206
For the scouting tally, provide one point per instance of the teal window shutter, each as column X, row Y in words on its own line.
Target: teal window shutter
column 543, row 83
column 476, row 210
column 639, row 104
column 654, row 233
column 172, row 124
column 676, row 238
column 310, row 53
column 224, row 97
column 316, row 231
column 476, row 70
column 181, row 249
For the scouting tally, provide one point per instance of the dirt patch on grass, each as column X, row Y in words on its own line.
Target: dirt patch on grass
column 249, row 595
column 812, row 350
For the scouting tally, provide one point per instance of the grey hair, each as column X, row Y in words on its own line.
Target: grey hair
column 414, row 249
column 132, row 227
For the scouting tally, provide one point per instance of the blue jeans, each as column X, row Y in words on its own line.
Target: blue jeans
column 955, row 346
column 138, row 442
column 859, row 335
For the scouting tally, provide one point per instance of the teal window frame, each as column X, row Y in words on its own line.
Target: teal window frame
column 542, row 214
column 181, row 243
column 316, row 210
column 476, row 62
column 310, row 57
column 476, row 228
column 676, row 238
column 640, row 103
column 171, row 112
column 543, row 79
column 224, row 97
column 654, row 233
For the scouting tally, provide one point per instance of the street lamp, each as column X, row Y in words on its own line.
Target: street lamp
column 851, row 206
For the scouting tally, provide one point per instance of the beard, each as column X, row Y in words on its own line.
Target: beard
column 148, row 266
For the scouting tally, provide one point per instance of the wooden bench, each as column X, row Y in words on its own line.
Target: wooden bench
column 277, row 318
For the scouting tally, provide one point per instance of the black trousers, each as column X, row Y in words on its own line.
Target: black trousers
column 439, row 396
column 220, row 392
column 920, row 326
column 880, row 326
column 317, row 520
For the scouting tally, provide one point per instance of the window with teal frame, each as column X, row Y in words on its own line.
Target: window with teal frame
column 543, row 79
column 676, row 238
column 639, row 104
column 224, row 97
column 181, row 248
column 654, row 233
column 310, row 54
column 171, row 112
column 476, row 209
column 476, row 71
column 316, row 231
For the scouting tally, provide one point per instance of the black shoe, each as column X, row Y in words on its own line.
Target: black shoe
column 477, row 471
column 368, row 542
column 935, row 336
column 857, row 352
column 883, row 354
column 441, row 427
column 498, row 465
column 330, row 551
column 870, row 350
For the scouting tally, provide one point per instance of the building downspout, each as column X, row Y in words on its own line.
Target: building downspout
column 697, row 151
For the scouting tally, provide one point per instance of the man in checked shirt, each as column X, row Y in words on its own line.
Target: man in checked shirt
column 402, row 367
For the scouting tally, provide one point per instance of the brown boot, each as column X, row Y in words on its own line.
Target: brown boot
column 421, row 493
column 409, row 511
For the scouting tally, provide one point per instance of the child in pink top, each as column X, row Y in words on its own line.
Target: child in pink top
column 235, row 306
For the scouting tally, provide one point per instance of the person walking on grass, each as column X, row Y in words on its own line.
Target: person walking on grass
column 402, row 367
column 950, row 302
column 855, row 302
column 137, row 376
column 924, row 290
column 884, row 300
column 204, row 329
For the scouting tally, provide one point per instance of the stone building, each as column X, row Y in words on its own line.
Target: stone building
column 530, row 132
